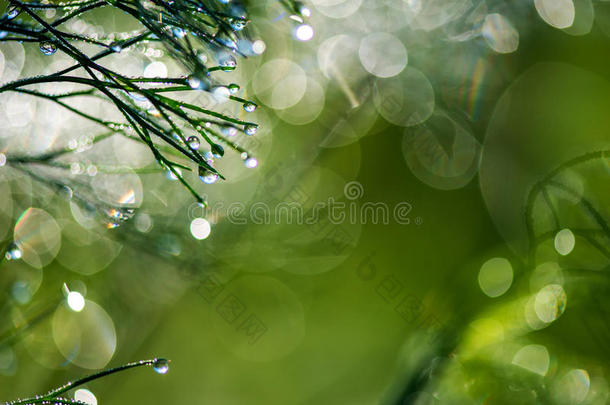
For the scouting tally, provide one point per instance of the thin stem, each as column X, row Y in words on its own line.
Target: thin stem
column 55, row 393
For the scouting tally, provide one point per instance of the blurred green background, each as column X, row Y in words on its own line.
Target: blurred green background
column 476, row 300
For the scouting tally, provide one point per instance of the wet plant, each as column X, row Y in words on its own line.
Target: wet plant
column 203, row 37
column 57, row 395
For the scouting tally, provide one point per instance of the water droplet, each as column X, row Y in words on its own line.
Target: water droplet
column 48, row 47
column 303, row 10
column 193, row 142
column 227, row 41
column 127, row 214
column 233, row 88
column 119, row 215
column 251, row 162
column 217, row 151
column 12, row 12
column 179, row 32
column 116, row 47
column 197, row 82
column 250, row 106
column 250, row 129
column 171, row 175
column 161, row 366
column 221, row 93
column 194, row 82
column 114, row 213
column 210, row 178
column 238, row 24
column 228, row 61
column 207, row 176
column 13, row 252
column 229, row 130
column 209, row 157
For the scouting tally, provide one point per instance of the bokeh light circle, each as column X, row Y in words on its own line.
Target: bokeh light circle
column 308, row 108
column 544, row 274
column 495, row 276
column 442, row 152
column 564, row 242
column 550, row 303
column 500, row 34
column 38, row 235
column 85, row 396
column 86, row 338
column 200, row 228
column 86, row 251
column 572, row 387
column 432, row 14
column 405, row 100
column 14, row 60
column 382, row 54
column 534, row 358
column 280, row 83
column 123, row 190
column 556, row 13
column 337, row 8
